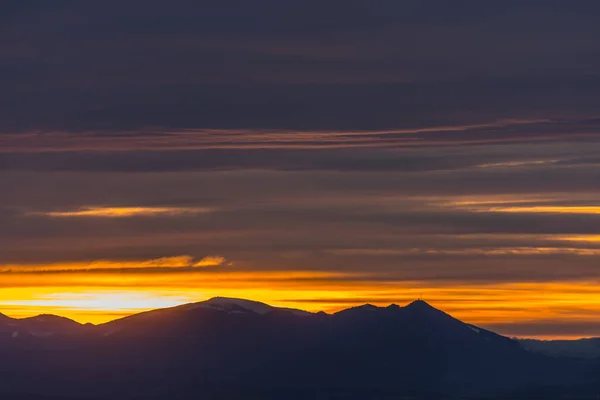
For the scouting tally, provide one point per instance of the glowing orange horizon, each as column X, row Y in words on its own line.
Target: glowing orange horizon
column 96, row 296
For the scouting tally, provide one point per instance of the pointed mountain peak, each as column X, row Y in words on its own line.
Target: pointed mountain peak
column 420, row 305
column 422, row 310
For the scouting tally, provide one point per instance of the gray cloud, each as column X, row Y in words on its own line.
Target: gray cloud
column 341, row 65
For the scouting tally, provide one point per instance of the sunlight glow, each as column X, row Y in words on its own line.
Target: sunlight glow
column 101, row 296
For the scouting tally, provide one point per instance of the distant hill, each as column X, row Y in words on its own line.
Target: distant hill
column 581, row 348
column 227, row 348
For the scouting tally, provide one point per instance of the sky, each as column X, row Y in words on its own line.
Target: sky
column 311, row 154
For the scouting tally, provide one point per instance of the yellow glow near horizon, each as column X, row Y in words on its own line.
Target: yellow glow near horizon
column 103, row 296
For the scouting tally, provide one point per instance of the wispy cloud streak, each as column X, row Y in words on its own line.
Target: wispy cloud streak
column 174, row 262
column 501, row 131
column 123, row 212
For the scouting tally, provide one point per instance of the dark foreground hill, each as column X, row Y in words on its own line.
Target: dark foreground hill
column 239, row 349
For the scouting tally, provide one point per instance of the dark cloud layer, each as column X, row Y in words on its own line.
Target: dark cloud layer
column 338, row 65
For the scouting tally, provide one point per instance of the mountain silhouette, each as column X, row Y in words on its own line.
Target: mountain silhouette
column 236, row 348
column 44, row 325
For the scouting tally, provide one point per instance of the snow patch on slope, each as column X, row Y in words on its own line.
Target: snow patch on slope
column 241, row 306
column 473, row 328
column 231, row 304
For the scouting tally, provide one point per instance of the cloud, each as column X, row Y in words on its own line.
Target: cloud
column 153, row 265
column 518, row 163
column 210, row 261
column 594, row 210
column 499, row 251
column 186, row 140
column 582, row 238
column 302, row 66
column 568, row 149
column 123, row 212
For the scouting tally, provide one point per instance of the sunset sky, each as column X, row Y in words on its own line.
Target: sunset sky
column 307, row 154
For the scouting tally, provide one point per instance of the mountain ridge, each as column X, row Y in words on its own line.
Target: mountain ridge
column 252, row 306
column 214, row 300
column 251, row 347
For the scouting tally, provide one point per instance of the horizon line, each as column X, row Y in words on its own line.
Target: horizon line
column 540, row 337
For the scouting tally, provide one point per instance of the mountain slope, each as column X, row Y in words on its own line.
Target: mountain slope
column 39, row 326
column 183, row 319
column 229, row 347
